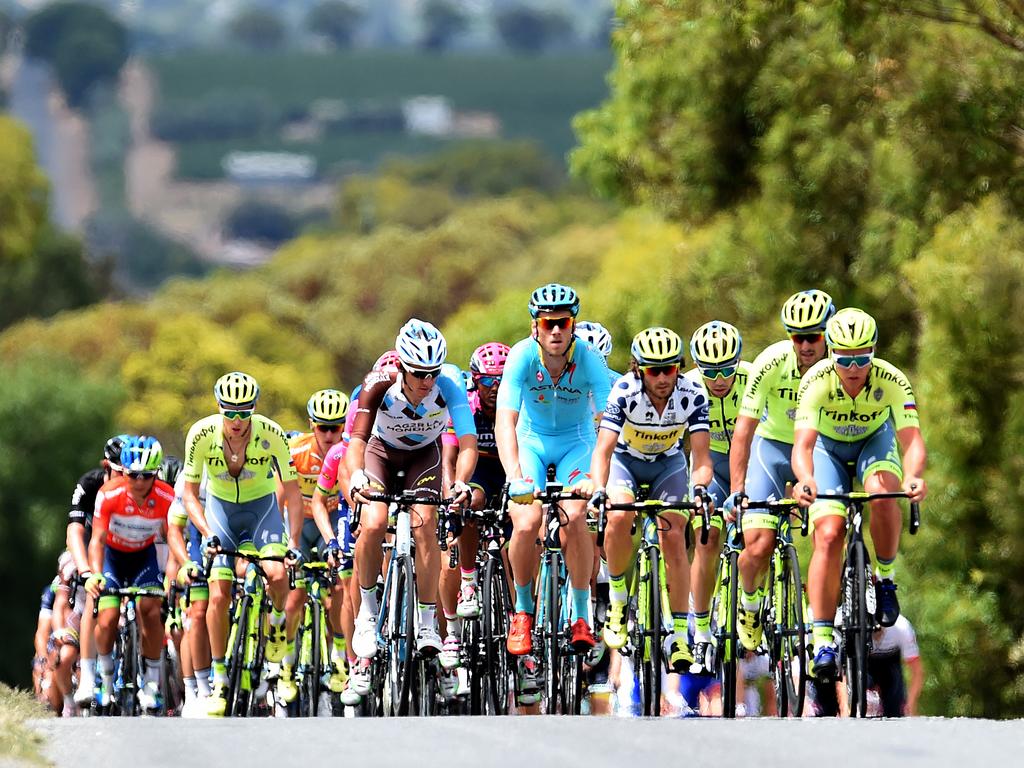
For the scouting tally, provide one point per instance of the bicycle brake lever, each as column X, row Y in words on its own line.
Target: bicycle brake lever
column 915, row 517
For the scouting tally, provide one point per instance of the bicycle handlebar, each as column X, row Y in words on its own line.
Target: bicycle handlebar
column 656, row 507
column 860, row 498
column 779, row 506
column 126, row 592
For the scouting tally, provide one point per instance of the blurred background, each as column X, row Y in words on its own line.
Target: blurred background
column 189, row 187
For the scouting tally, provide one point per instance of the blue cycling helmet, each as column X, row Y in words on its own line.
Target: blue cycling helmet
column 142, row 454
column 553, row 297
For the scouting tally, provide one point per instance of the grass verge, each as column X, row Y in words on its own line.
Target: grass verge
column 17, row 740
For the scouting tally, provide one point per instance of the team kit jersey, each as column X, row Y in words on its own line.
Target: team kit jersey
column 772, row 390
column 131, row 526
column 826, row 407
column 309, row 464
column 385, row 412
column 722, row 411
column 266, row 453
column 83, row 500
column 643, row 432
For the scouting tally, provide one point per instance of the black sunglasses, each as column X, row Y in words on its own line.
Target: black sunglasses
column 327, row 427
column 433, row 373
column 141, row 475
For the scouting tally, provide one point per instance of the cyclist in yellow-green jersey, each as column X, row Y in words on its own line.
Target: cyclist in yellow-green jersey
column 855, row 415
column 759, row 455
column 242, row 453
column 715, row 348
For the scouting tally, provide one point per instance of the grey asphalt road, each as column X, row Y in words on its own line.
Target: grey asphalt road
column 530, row 742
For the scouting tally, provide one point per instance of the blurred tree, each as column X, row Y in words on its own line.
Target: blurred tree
column 337, row 20
column 23, row 193
column 530, row 30
column 53, row 423
column 443, row 21
column 83, row 42
column 1002, row 20
column 258, row 28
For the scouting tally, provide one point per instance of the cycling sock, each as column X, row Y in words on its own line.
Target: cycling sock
column 428, row 615
column 106, row 664
column 220, row 671
column 751, row 602
column 191, row 688
column 339, row 648
column 581, row 604
column 88, row 669
column 885, row 569
column 524, row 598
column 289, row 655
column 679, row 627
column 277, row 617
column 822, row 632
column 702, row 626
column 468, row 577
column 368, row 607
column 152, row 673
column 203, row 681
column 454, row 625
column 617, row 588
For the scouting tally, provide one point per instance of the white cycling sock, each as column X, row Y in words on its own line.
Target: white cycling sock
column 428, row 615
column 106, row 665
column 191, row 689
column 454, row 626
column 368, row 607
column 88, row 669
column 203, row 682
column 277, row 617
column 152, row 673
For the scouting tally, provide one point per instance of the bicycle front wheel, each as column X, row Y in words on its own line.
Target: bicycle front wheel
column 552, row 630
column 724, row 610
column 790, row 669
column 856, row 629
column 650, row 631
column 401, row 635
column 494, row 620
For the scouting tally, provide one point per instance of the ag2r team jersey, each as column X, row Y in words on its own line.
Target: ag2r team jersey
column 722, row 411
column 826, row 407
column 266, row 452
column 559, row 406
column 130, row 526
column 772, row 390
column 385, row 412
column 644, row 433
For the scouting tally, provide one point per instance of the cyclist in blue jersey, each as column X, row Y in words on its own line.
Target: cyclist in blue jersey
column 545, row 416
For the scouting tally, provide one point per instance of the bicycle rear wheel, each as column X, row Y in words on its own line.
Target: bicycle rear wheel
column 790, row 672
column 552, row 630
column 856, row 630
column 724, row 610
column 131, row 665
column 494, row 623
column 314, row 671
column 236, row 657
column 649, row 621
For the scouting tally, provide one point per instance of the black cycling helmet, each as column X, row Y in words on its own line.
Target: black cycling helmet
column 170, row 468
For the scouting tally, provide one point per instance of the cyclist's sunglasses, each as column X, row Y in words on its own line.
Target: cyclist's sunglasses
column 327, row 427
column 141, row 475
column 810, row 338
column 232, row 415
column 487, row 381
column 433, row 373
column 550, row 323
column 853, row 361
column 661, row 370
column 719, row 371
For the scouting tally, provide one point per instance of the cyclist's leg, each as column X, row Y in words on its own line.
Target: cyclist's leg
column 670, row 482
column 572, row 467
column 828, row 520
column 369, row 556
column 269, row 537
column 523, row 552
column 705, row 556
column 148, row 574
column 222, row 575
column 618, row 545
column 881, row 471
column 766, row 480
column 198, row 636
column 423, row 476
column 115, row 572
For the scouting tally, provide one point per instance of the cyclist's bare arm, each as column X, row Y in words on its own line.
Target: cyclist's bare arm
column 700, row 453
column 466, row 461
column 96, row 545
column 321, row 516
column 803, row 464
column 739, row 451
column 915, row 458
column 176, row 541
column 601, row 458
column 196, row 514
column 76, row 545
column 508, row 444
column 293, row 499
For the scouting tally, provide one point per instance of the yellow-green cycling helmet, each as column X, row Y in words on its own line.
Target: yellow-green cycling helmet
column 236, row 390
column 851, row 328
column 328, row 406
column 656, row 346
column 715, row 343
column 807, row 311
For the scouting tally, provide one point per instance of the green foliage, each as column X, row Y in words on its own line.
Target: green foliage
column 23, row 193
column 259, row 29
column 84, row 43
column 442, row 22
column 53, row 421
column 337, row 20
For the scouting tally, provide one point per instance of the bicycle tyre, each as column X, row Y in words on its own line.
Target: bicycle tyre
column 856, row 630
column 654, row 655
column 130, row 668
column 552, row 631
column 424, row 699
column 728, row 641
column 793, row 638
column 402, row 636
column 494, row 621
column 315, row 662
column 237, row 653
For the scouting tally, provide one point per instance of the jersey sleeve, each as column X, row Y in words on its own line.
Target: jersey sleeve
column 79, row 513
column 328, row 479
column 599, row 381
column 908, row 640
column 755, row 397
column 458, row 405
column 699, row 419
column 901, row 399
column 177, row 514
column 101, row 514
column 281, row 451
column 510, row 391
column 350, row 417
column 615, row 411
column 371, row 395
column 195, row 453
column 808, row 404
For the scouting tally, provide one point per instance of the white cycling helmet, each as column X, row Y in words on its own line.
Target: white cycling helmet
column 596, row 334
column 421, row 346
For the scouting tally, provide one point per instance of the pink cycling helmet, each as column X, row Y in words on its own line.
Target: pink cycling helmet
column 389, row 359
column 489, row 360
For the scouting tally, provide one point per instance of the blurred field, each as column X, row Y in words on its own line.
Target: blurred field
column 17, row 742
column 534, row 97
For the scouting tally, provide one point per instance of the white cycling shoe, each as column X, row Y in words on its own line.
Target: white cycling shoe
column 364, row 638
column 428, row 641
